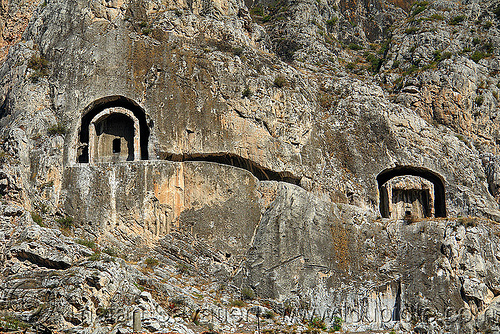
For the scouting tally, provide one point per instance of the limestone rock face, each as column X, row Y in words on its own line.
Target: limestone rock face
column 333, row 159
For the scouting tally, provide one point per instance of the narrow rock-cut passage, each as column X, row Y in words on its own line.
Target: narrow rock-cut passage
column 260, row 172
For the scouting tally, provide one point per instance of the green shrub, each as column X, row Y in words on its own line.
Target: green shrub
column 95, row 257
column 66, row 222
column 331, row 22
column 182, row 268
column 246, row 92
column 151, row 262
column 479, row 100
column 487, row 25
column 489, row 47
column 375, row 62
column 419, row 7
column 351, row 66
column 317, row 323
column 57, row 129
column 268, row 314
column 40, row 67
column 10, row 323
column 456, row 20
column 103, row 311
column 438, row 56
column 411, row 30
column 37, row 218
column 257, row 11
column 238, row 52
column 146, row 31
column 354, row 46
column 237, row 303
column 247, row 294
column 337, row 324
column 478, row 55
column 437, row 17
column 110, row 251
column 87, row 243
column 280, row 81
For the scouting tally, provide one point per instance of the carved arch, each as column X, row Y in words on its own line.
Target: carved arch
column 435, row 178
column 91, row 114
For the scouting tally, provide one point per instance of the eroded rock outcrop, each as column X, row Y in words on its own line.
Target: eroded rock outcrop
column 173, row 157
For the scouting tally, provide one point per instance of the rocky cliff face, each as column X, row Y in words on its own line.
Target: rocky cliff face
column 249, row 148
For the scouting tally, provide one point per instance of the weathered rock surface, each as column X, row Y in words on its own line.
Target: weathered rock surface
column 266, row 130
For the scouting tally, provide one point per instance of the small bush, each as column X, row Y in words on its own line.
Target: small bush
column 238, row 52
column 269, row 314
column 151, row 262
column 146, row 31
column 257, row 11
column 40, row 67
column 280, row 81
column 487, row 25
column 246, row 92
column 354, row 46
column 479, row 100
column 478, row 55
column 331, row 22
column 182, row 268
column 87, row 243
column 110, row 251
column 66, row 222
column 351, row 66
column 95, row 257
column 317, row 323
column 411, row 30
column 103, row 311
column 37, row 219
column 375, row 62
column 489, row 47
column 57, row 129
column 237, row 303
column 337, row 324
column 456, row 20
column 437, row 17
column 438, row 56
column 419, row 7
column 175, row 304
column 247, row 294
column 10, row 323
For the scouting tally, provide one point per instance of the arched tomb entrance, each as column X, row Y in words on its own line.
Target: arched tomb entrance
column 113, row 129
column 408, row 190
column 114, row 136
